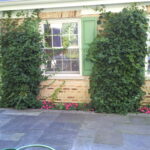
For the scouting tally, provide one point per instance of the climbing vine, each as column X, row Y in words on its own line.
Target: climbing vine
column 54, row 95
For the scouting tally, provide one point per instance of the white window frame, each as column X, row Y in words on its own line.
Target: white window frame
column 79, row 45
column 147, row 75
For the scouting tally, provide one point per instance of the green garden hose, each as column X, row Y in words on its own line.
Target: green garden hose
column 29, row 146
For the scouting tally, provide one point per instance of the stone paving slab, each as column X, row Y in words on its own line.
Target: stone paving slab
column 134, row 129
column 4, row 121
column 83, row 143
column 72, row 130
column 30, row 137
column 7, row 144
column 21, row 112
column 87, row 133
column 137, row 141
column 71, row 117
column 1, row 111
column 7, row 136
column 108, row 136
column 20, row 123
column 139, row 120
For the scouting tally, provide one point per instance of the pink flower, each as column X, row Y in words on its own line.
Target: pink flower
column 144, row 110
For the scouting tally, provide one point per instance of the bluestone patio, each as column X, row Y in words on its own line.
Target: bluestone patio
column 72, row 130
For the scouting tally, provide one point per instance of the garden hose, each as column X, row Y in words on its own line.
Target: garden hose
column 29, row 146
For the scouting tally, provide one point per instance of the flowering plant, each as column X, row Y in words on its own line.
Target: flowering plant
column 145, row 109
column 47, row 105
column 66, row 106
column 71, row 106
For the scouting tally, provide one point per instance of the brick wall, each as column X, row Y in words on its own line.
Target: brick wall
column 76, row 90
column 55, row 15
column 64, row 14
column 73, row 90
column 146, row 88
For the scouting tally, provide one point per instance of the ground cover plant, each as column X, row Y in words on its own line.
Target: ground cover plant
column 118, row 56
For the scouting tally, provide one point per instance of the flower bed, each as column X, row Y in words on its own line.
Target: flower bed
column 79, row 106
column 66, row 106
column 145, row 109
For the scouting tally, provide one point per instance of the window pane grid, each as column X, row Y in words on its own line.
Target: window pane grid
column 64, row 47
column 49, row 41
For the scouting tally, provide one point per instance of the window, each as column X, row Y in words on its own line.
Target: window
column 61, row 44
column 147, row 66
column 147, row 59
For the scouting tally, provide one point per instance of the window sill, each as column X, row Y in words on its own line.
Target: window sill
column 68, row 77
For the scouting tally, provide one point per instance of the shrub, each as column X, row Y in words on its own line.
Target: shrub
column 21, row 60
column 118, row 56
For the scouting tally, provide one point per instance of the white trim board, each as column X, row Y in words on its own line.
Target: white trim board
column 39, row 4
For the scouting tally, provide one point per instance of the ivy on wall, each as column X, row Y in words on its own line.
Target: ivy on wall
column 118, row 56
column 21, row 60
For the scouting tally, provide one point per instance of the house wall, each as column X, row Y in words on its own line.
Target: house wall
column 75, row 89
